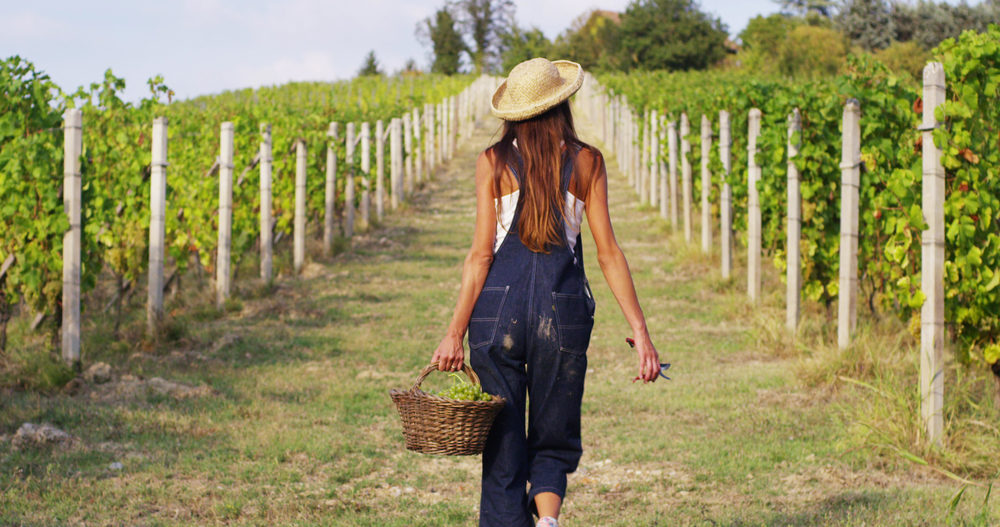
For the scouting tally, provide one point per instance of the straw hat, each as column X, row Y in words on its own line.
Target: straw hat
column 535, row 86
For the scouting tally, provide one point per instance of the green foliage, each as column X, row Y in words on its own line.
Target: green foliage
column 766, row 35
column 38, row 370
column 811, row 52
column 971, row 146
column 520, row 45
column 117, row 138
column 295, row 111
column 370, row 66
column 904, row 58
column 891, row 220
column 670, row 35
column 32, row 220
column 928, row 23
column 592, row 40
column 115, row 168
column 867, row 23
column 805, row 8
column 793, row 47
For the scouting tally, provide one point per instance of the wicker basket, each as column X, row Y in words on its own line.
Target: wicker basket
column 439, row 425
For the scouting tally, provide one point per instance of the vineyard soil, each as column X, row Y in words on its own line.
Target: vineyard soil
column 277, row 412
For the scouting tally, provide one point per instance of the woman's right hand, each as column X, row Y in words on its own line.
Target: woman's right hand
column 450, row 354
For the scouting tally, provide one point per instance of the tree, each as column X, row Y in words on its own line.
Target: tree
column 370, row 66
column 765, row 35
column 805, row 8
column 485, row 22
column 905, row 57
column 812, row 51
column 670, row 34
column 867, row 23
column 519, row 45
column 928, row 23
column 445, row 41
column 411, row 68
column 592, row 40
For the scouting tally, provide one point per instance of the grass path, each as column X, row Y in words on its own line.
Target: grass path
column 299, row 429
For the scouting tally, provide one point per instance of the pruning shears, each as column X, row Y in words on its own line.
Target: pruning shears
column 663, row 366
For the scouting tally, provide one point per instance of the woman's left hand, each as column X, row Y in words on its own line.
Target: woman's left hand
column 450, row 354
column 649, row 359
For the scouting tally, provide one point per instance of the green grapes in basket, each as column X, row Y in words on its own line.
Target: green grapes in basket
column 462, row 390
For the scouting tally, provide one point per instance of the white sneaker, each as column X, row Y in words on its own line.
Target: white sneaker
column 547, row 521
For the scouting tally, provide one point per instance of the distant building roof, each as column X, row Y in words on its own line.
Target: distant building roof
column 611, row 15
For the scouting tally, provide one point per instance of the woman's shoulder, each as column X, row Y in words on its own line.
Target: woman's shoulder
column 588, row 156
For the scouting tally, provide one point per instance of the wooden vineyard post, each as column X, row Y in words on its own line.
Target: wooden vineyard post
column 467, row 110
column 706, row 185
column 646, row 146
column 349, row 189
column 330, row 196
column 222, row 259
column 726, row 199
column 850, row 181
column 429, row 140
column 686, row 182
column 628, row 137
column 417, row 150
column 441, row 134
column 932, row 262
column 624, row 136
column 614, row 128
column 366, row 184
column 672, row 150
column 395, row 194
column 446, row 129
column 380, row 172
column 157, row 226
column 395, row 164
column 266, row 239
column 460, row 114
column 753, row 208
column 408, row 151
column 627, row 146
column 664, row 185
column 72, row 239
column 654, row 159
column 793, row 273
column 299, row 250
column 636, row 148
column 453, row 129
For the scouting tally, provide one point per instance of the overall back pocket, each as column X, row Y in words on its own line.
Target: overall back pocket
column 486, row 316
column 574, row 320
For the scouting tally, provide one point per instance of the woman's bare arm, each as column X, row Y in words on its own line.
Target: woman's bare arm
column 450, row 354
column 616, row 271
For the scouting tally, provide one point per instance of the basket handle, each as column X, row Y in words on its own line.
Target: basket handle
column 434, row 366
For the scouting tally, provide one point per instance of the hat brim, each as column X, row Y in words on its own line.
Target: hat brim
column 572, row 75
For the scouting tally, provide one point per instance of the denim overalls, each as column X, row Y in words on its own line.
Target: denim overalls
column 529, row 332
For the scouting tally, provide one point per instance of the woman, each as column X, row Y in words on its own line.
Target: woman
column 525, row 300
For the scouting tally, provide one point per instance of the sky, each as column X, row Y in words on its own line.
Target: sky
column 207, row 46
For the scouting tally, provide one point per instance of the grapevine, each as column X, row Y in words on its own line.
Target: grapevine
column 891, row 220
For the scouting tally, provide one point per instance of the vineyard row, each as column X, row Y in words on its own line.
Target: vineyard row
column 125, row 199
column 820, row 226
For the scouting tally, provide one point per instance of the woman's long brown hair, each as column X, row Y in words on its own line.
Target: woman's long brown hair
column 538, row 159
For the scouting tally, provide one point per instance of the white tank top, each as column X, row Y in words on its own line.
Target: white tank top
column 573, row 216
